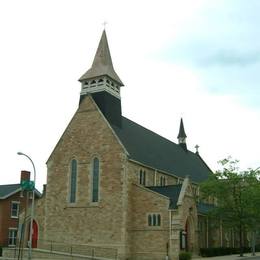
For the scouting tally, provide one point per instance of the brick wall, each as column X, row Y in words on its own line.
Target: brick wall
column 6, row 221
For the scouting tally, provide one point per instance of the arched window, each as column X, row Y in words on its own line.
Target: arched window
column 162, row 181
column 158, row 220
column 142, row 177
column 95, row 180
column 154, row 220
column 73, row 181
column 150, row 221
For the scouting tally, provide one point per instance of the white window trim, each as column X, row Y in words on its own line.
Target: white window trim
column 12, row 229
column 18, row 209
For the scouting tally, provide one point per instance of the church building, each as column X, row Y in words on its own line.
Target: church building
column 114, row 185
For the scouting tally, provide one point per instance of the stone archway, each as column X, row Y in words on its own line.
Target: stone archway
column 190, row 234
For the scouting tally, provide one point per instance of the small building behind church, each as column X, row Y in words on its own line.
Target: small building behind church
column 113, row 184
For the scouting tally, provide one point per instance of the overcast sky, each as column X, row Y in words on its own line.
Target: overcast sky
column 199, row 60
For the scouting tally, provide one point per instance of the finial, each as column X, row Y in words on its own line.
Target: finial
column 104, row 24
column 197, row 148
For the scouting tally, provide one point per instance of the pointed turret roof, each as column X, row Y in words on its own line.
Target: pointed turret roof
column 181, row 131
column 102, row 63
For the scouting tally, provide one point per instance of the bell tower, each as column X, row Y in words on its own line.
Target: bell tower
column 102, row 82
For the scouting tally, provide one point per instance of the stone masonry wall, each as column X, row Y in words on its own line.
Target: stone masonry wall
column 99, row 224
column 148, row 242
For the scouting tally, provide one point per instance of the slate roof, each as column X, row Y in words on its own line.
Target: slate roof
column 160, row 153
column 170, row 191
column 8, row 189
column 204, row 208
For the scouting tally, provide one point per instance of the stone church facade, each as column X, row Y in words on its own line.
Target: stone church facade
column 112, row 183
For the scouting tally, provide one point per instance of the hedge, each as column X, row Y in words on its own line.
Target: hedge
column 218, row 251
column 185, row 256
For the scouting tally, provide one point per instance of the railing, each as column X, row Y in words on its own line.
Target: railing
column 78, row 249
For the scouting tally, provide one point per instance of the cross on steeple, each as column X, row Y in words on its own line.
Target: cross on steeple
column 197, row 148
column 104, row 24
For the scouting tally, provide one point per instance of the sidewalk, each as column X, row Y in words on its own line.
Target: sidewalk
column 231, row 257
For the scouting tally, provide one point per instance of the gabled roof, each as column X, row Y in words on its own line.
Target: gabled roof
column 158, row 152
column 170, row 191
column 102, row 63
column 204, row 208
column 8, row 190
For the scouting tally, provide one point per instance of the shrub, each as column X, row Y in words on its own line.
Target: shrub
column 218, row 251
column 184, row 256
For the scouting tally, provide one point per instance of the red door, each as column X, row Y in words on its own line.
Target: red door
column 35, row 235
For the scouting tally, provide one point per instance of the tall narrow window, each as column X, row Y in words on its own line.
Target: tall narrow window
column 12, row 235
column 162, row 181
column 95, row 180
column 142, row 177
column 15, row 209
column 73, row 181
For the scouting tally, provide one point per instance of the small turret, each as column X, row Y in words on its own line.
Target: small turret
column 182, row 136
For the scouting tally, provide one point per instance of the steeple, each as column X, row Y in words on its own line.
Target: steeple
column 103, row 84
column 182, row 136
column 101, row 76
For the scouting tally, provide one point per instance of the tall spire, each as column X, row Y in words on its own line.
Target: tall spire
column 182, row 136
column 102, row 66
column 102, row 82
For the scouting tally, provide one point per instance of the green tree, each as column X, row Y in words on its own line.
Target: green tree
column 237, row 196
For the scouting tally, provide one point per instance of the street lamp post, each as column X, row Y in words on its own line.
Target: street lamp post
column 32, row 206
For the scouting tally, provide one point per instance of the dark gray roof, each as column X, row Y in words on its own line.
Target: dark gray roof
column 158, row 152
column 8, row 189
column 170, row 191
column 204, row 208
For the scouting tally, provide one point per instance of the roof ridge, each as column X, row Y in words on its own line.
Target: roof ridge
column 10, row 184
column 165, row 186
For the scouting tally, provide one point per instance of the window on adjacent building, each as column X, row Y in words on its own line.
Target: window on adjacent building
column 95, row 180
column 142, row 177
column 162, row 181
column 15, row 209
column 12, row 235
column 73, row 181
column 154, row 220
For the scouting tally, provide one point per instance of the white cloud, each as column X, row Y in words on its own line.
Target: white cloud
column 47, row 45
